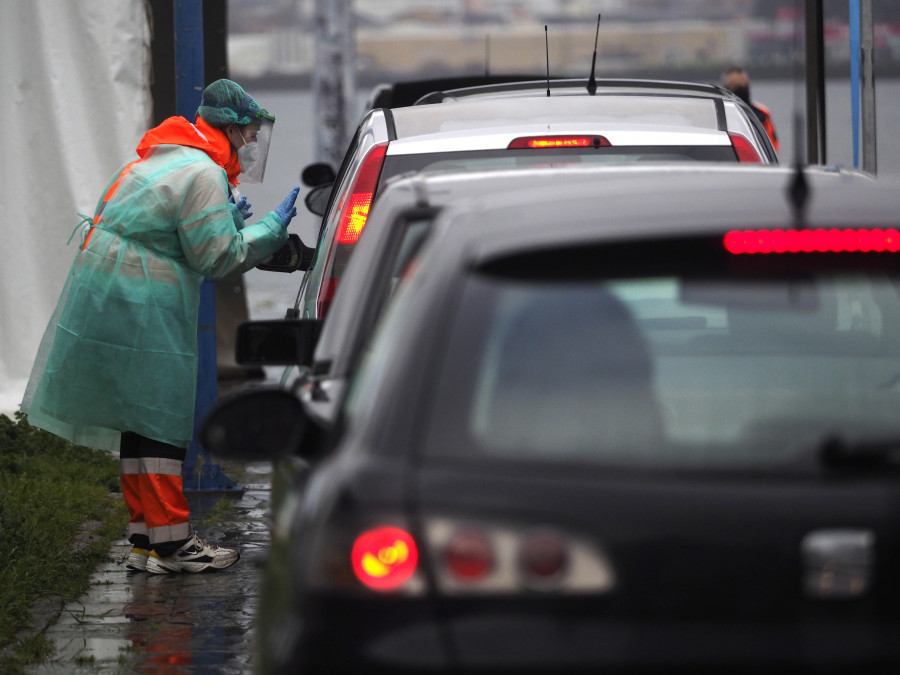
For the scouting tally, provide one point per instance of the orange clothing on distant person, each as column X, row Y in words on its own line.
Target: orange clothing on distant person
column 765, row 117
column 737, row 81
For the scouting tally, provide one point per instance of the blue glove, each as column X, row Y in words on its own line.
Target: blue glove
column 243, row 207
column 286, row 210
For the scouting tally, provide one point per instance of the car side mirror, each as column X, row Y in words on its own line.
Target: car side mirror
column 293, row 256
column 278, row 342
column 264, row 423
column 316, row 200
column 317, row 174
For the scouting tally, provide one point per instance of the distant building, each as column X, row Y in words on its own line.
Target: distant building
column 412, row 38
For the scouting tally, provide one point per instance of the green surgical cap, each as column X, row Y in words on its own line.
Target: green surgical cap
column 225, row 102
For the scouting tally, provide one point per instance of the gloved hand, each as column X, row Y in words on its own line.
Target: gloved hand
column 243, row 207
column 286, row 210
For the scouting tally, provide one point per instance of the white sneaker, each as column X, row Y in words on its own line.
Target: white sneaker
column 194, row 556
column 137, row 559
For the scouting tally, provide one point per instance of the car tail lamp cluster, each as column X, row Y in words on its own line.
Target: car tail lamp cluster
column 468, row 559
column 813, row 241
column 479, row 558
column 355, row 210
column 744, row 150
column 354, row 213
column 471, row 557
column 557, row 142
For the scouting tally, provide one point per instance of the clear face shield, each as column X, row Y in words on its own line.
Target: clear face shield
column 255, row 151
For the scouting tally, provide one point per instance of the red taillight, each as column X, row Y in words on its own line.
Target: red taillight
column 354, row 219
column 555, row 142
column 812, row 241
column 355, row 210
column 469, row 555
column 744, row 149
column 543, row 558
column 384, row 558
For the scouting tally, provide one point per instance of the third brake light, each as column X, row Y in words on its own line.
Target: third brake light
column 557, row 142
column 813, row 241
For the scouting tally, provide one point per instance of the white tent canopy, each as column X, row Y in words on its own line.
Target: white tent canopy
column 74, row 100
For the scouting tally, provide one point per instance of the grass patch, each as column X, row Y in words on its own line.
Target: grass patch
column 49, row 490
column 221, row 511
column 30, row 649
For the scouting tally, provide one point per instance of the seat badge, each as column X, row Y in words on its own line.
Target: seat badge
column 837, row 564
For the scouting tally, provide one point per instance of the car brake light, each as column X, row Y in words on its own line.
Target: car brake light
column 355, row 211
column 469, row 556
column 813, row 241
column 384, row 558
column 744, row 149
column 555, row 142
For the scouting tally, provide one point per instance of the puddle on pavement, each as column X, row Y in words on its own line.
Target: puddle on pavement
column 133, row 622
column 105, row 649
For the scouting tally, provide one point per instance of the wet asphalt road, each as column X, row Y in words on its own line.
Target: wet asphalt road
column 134, row 622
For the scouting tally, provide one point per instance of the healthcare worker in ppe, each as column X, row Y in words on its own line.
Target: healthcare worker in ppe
column 117, row 367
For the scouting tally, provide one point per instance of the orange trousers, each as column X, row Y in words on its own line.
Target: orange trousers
column 151, row 476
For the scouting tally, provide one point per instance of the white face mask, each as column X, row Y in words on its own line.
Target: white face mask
column 248, row 157
column 253, row 155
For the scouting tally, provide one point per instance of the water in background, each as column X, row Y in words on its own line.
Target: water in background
column 269, row 294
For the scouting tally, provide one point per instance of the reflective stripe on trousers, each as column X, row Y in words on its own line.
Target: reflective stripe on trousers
column 150, row 473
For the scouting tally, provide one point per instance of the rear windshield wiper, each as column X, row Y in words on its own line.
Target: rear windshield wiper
column 837, row 452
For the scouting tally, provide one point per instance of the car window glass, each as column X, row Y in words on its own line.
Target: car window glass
column 710, row 373
column 364, row 293
column 674, row 111
column 369, row 378
column 404, row 261
column 489, row 160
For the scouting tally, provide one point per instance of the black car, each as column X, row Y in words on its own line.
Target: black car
column 607, row 425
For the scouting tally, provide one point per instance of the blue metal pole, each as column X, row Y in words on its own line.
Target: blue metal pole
column 200, row 473
column 855, row 52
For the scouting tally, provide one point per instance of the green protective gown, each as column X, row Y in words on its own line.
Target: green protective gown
column 120, row 351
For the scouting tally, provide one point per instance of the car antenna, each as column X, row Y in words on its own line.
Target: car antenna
column 547, row 52
column 487, row 55
column 798, row 188
column 592, row 81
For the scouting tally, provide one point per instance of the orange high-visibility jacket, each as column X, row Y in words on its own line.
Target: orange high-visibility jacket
column 766, row 118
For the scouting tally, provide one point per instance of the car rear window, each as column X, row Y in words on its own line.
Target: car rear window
column 647, row 110
column 489, row 160
column 719, row 371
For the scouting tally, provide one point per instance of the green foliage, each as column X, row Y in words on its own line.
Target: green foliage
column 34, row 649
column 221, row 511
column 48, row 489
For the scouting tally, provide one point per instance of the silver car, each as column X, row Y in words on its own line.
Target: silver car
column 506, row 126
